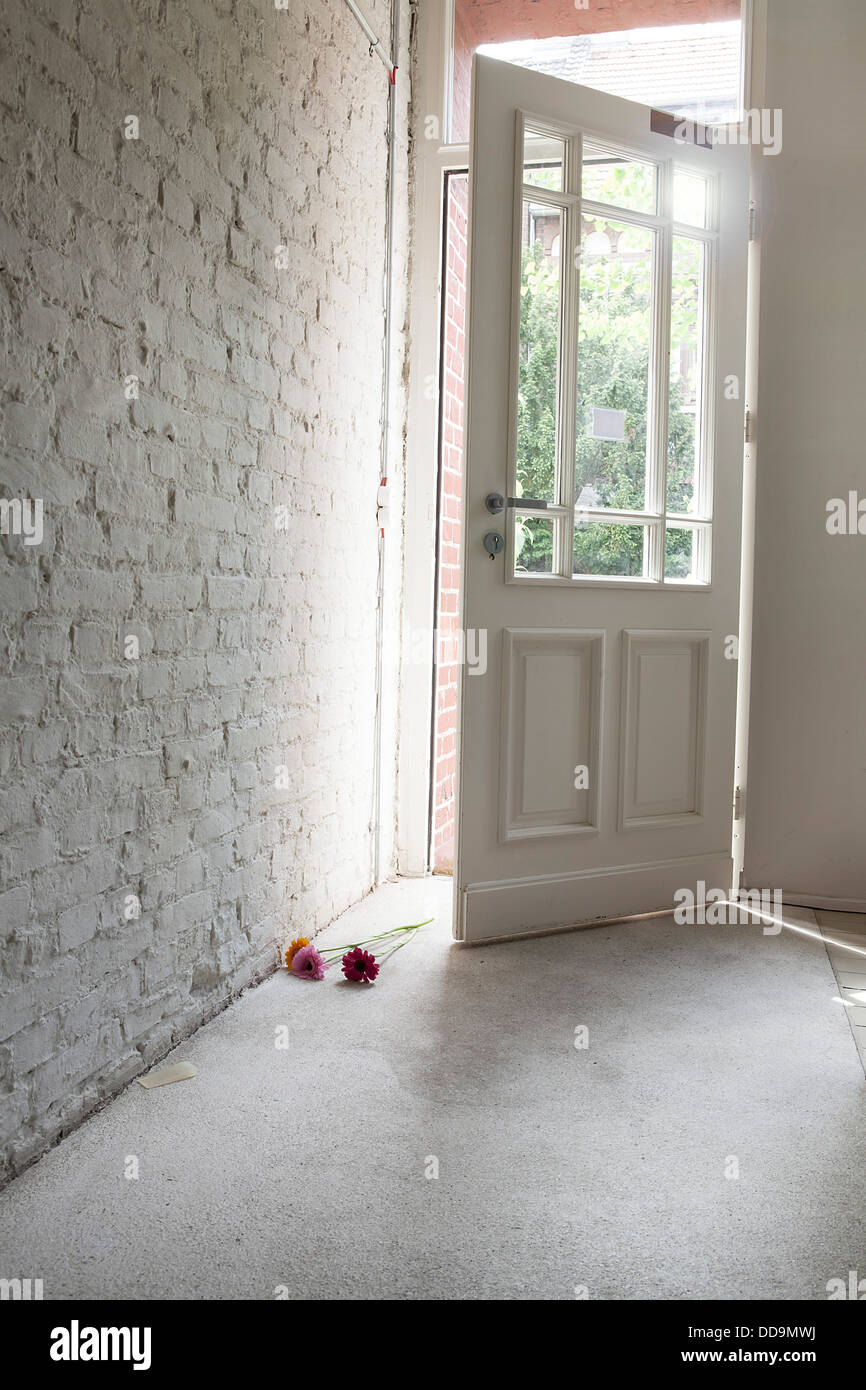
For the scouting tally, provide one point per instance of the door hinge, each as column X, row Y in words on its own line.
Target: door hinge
column 749, row 427
column 753, row 222
column 739, row 802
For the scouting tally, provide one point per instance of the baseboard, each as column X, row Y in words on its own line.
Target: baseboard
column 533, row 906
column 829, row 904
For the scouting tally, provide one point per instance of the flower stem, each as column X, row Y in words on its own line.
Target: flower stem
column 390, row 953
column 369, row 940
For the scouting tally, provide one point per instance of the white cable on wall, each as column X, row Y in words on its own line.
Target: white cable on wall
column 375, row 44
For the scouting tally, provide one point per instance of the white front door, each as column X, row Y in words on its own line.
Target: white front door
column 607, row 298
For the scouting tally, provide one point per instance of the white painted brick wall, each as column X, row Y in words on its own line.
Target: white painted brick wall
column 259, row 387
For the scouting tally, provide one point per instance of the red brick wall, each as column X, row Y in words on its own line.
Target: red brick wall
column 450, row 490
column 465, row 44
column 497, row 21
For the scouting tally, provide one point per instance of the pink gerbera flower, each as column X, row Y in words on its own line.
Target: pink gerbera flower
column 308, row 963
column 360, row 965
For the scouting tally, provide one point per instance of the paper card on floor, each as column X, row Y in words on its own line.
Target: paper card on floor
column 180, row 1071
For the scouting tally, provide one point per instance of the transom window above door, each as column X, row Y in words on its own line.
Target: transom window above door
column 611, row 426
column 692, row 60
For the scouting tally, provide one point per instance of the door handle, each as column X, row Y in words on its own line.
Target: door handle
column 496, row 503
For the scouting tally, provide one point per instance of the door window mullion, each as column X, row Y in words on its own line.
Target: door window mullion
column 657, row 434
column 568, row 385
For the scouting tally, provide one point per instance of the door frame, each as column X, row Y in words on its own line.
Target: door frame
column 433, row 157
column 431, row 100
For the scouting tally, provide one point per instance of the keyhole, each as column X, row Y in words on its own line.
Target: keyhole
column 493, row 543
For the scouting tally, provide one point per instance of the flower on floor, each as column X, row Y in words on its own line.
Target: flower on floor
column 293, row 950
column 360, row 965
column 307, row 963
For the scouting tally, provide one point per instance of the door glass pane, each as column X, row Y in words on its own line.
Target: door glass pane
column 617, row 179
column 614, row 338
column 686, row 375
column 690, row 199
column 543, row 157
column 538, row 366
column 534, row 539
column 609, row 548
column 681, row 557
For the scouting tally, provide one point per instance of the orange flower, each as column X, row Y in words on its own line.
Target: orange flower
column 296, row 945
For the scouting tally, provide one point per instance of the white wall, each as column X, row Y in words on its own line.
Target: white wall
column 260, row 388
column 806, row 793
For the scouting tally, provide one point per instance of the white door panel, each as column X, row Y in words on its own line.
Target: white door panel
column 625, row 677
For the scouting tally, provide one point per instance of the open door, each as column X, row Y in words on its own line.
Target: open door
column 601, row 550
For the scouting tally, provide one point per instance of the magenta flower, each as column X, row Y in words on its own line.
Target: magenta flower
column 308, row 964
column 360, row 965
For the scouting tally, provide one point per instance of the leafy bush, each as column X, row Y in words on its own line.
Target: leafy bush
column 613, row 369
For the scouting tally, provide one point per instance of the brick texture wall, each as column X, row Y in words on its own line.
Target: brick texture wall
column 187, row 659
column 494, row 21
column 450, row 503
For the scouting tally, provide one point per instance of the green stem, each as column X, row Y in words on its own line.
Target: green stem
column 368, row 940
column 334, row 952
column 388, row 954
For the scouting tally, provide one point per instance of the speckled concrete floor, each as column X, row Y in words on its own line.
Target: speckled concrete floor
column 711, row 1050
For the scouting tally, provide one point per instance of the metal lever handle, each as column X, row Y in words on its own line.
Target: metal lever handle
column 495, row 503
